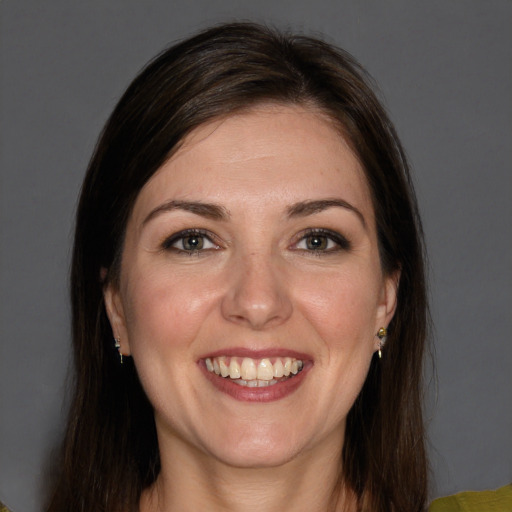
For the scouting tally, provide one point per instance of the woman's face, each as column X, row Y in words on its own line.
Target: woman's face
column 253, row 253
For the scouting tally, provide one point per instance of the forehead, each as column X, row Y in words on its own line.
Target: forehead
column 268, row 153
column 257, row 133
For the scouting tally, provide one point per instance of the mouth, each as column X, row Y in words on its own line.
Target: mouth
column 254, row 373
column 256, row 376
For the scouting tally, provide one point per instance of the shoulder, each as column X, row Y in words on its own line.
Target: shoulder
column 499, row 500
column 3, row 508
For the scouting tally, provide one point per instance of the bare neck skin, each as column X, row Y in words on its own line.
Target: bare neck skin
column 191, row 480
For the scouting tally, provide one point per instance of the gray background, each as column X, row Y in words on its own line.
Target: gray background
column 445, row 71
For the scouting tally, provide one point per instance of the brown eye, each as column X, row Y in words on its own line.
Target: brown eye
column 192, row 243
column 317, row 242
column 322, row 241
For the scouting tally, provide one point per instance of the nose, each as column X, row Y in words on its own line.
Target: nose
column 257, row 295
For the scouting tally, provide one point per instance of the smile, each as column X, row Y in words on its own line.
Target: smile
column 254, row 373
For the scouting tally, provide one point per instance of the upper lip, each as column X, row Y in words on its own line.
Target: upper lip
column 258, row 354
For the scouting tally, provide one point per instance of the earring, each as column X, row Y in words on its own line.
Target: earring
column 117, row 344
column 382, row 334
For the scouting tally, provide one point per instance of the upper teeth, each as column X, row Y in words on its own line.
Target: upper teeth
column 251, row 369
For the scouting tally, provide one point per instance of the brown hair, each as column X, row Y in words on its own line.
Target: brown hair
column 110, row 451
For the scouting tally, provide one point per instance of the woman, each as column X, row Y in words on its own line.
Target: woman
column 249, row 311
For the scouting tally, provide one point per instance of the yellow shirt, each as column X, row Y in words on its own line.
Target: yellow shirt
column 499, row 500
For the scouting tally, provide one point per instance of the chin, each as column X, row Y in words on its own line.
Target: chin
column 253, row 459
column 256, row 448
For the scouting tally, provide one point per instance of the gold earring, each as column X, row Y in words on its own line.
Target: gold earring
column 117, row 344
column 382, row 334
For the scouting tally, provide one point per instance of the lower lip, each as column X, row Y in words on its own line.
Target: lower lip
column 264, row 394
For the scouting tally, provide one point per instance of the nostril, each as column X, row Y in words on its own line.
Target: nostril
column 256, row 294
column 244, row 308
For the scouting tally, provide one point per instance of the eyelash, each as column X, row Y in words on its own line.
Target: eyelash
column 189, row 233
column 341, row 243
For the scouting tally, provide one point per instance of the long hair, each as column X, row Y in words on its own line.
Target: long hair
column 110, row 451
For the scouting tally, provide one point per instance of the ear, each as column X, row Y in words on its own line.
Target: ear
column 387, row 305
column 116, row 316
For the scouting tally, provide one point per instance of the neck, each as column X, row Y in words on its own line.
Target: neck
column 189, row 483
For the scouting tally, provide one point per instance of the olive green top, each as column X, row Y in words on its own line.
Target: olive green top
column 499, row 500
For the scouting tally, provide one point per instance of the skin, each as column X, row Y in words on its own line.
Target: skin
column 256, row 284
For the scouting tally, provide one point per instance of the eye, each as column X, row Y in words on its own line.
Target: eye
column 190, row 241
column 322, row 240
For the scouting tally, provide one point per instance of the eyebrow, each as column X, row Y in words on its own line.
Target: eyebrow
column 217, row 212
column 208, row 210
column 305, row 208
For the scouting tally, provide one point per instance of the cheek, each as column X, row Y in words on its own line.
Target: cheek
column 340, row 308
column 164, row 316
column 164, row 311
column 341, row 305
